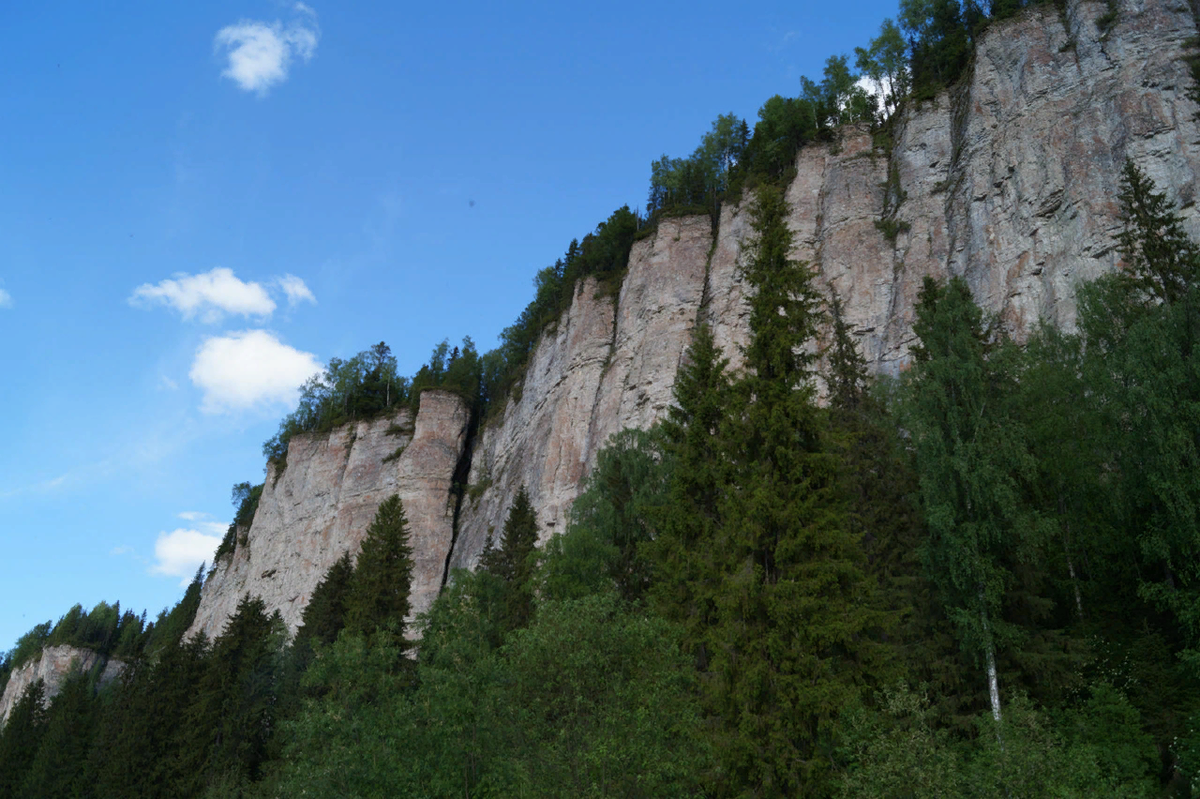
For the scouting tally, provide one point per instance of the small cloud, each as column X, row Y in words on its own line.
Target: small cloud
column 180, row 552
column 6, row 300
column 210, row 295
column 193, row 515
column 121, row 551
column 296, row 290
column 260, row 54
column 249, row 369
column 167, row 384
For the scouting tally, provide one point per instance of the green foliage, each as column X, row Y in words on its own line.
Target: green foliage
column 885, row 61
column 169, row 628
column 891, row 228
column 792, row 644
column 1142, row 367
column 377, row 596
column 686, row 574
column 700, row 181
column 60, row 766
column 941, row 45
column 29, row 645
column 610, row 524
column 245, row 499
column 514, row 563
column 361, row 387
column 20, row 738
column 325, row 614
column 603, row 254
column 1097, row 751
column 232, row 716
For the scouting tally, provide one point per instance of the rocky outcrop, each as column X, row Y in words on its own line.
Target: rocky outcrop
column 1010, row 180
column 608, row 364
column 319, row 508
column 53, row 667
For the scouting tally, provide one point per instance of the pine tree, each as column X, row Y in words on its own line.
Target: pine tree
column 377, row 599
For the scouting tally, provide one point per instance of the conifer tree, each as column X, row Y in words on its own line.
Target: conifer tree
column 378, row 594
column 59, row 767
column 20, row 738
column 231, row 717
column 791, row 647
column 513, row 563
column 686, row 577
column 325, row 614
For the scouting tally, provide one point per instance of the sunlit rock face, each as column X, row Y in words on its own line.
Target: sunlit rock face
column 320, row 506
column 1010, row 180
column 53, row 667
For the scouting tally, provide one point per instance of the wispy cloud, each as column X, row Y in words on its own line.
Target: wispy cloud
column 248, row 369
column 295, row 290
column 260, row 53
column 209, row 295
column 6, row 300
column 180, row 552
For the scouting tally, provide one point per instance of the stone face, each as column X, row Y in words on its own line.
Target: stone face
column 1010, row 181
column 609, row 364
column 320, row 507
column 53, row 666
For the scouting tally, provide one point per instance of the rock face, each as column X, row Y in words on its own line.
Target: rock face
column 609, row 364
column 1010, row 180
column 55, row 664
column 320, row 506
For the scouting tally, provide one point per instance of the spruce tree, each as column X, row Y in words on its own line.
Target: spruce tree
column 325, row 614
column 20, row 739
column 686, row 577
column 378, row 594
column 513, row 563
column 62, row 757
column 791, row 645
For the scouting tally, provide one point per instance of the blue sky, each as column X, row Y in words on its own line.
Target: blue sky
column 202, row 203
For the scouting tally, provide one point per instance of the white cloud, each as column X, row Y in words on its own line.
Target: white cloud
column 6, row 300
column 296, row 290
column 260, row 54
column 210, row 295
column 180, row 552
column 193, row 515
column 248, row 369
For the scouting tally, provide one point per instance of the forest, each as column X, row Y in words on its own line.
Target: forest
column 981, row 579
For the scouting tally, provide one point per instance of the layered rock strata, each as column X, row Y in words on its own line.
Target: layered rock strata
column 1009, row 180
column 320, row 506
column 53, row 667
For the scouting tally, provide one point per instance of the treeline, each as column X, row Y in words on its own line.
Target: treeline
column 977, row 581
column 927, row 49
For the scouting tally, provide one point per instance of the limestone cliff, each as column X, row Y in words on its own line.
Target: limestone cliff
column 53, row 666
column 1010, row 180
column 319, row 507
